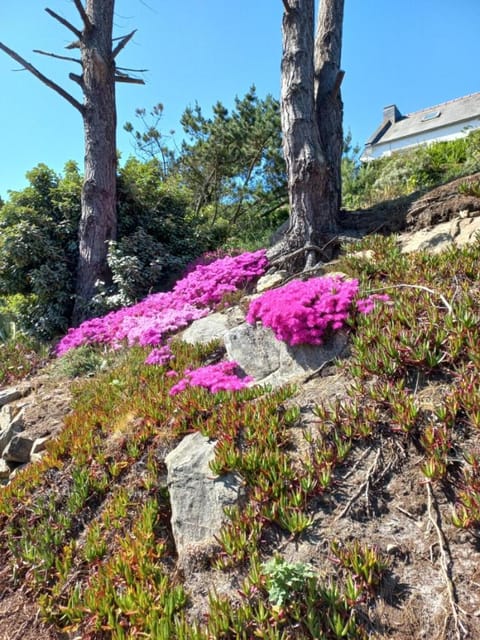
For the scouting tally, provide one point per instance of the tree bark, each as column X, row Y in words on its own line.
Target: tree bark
column 307, row 97
column 98, row 223
column 328, row 99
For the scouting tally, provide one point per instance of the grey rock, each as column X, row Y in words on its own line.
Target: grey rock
column 4, row 470
column 271, row 280
column 18, row 449
column 468, row 230
column 212, row 327
column 36, row 457
column 197, row 497
column 9, row 395
column 6, row 415
column 15, row 426
column 39, row 445
column 270, row 361
column 458, row 231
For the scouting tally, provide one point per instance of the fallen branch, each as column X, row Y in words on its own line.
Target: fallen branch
column 445, row 560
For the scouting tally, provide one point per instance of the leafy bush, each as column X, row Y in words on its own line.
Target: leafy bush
column 20, row 355
column 286, row 580
column 39, row 245
column 82, row 361
column 38, row 249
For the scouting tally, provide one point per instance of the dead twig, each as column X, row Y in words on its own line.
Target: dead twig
column 365, row 486
column 445, row 561
column 316, row 372
column 357, row 462
column 407, row 513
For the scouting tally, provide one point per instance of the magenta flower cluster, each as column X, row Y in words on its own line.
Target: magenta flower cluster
column 161, row 356
column 213, row 377
column 306, row 312
column 150, row 321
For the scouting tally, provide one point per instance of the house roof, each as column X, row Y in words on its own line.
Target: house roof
column 441, row 115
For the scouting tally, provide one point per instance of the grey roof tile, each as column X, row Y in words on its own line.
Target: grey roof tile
column 454, row 111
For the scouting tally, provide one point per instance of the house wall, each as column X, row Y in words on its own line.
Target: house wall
column 441, row 134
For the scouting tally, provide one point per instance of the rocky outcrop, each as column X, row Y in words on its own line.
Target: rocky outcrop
column 16, row 448
column 26, row 424
column 459, row 231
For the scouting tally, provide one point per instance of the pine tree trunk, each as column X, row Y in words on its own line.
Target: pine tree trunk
column 328, row 100
column 98, row 220
column 313, row 179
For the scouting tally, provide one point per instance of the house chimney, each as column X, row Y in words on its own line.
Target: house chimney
column 391, row 113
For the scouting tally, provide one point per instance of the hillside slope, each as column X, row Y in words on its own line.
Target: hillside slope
column 363, row 482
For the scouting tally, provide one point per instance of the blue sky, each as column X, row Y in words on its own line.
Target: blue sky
column 415, row 54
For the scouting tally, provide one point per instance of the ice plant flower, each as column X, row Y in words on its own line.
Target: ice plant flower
column 214, row 377
column 160, row 356
column 152, row 320
column 306, row 312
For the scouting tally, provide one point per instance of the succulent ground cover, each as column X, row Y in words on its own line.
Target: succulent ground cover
column 87, row 533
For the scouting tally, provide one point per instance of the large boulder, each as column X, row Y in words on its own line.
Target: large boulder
column 197, row 497
column 212, row 327
column 271, row 361
column 459, row 231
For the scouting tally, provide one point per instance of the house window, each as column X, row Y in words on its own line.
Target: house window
column 431, row 115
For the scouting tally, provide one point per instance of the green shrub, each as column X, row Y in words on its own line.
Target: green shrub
column 39, row 245
column 83, row 360
column 408, row 171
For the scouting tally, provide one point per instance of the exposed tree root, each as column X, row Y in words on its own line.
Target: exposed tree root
column 279, row 254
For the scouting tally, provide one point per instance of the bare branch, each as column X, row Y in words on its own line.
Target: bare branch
column 33, row 70
column 54, row 55
column 446, row 560
column 128, row 79
column 65, row 23
column 77, row 79
column 73, row 45
column 123, row 42
column 134, row 70
column 83, row 14
column 286, row 5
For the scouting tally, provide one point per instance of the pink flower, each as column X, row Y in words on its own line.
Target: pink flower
column 214, row 378
column 305, row 312
column 160, row 356
column 152, row 320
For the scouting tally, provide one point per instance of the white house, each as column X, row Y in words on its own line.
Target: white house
column 447, row 121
